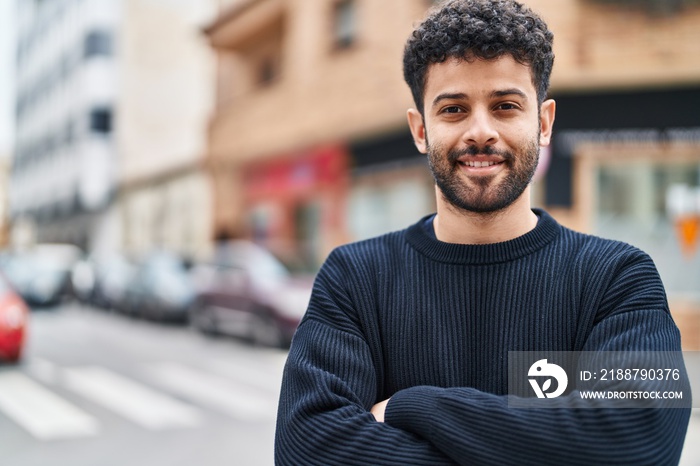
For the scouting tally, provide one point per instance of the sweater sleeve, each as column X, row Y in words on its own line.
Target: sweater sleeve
column 474, row 427
column 328, row 388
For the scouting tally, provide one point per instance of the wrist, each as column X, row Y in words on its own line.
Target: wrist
column 412, row 407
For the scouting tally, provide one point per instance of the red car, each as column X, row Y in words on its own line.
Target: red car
column 14, row 317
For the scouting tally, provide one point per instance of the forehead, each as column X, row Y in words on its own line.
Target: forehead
column 478, row 77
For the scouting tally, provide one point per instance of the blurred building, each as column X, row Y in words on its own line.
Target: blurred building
column 113, row 98
column 627, row 133
column 308, row 146
column 165, row 100
column 4, row 201
column 62, row 178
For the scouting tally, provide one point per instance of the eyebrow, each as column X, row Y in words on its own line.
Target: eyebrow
column 449, row 96
column 507, row 92
column 462, row 95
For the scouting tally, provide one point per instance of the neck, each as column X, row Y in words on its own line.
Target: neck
column 453, row 225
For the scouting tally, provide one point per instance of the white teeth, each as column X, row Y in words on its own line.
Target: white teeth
column 479, row 164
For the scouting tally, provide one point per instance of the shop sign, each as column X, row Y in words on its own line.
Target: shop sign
column 567, row 140
column 295, row 174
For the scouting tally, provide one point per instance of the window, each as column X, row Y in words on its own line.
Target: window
column 344, row 24
column 19, row 107
column 267, row 71
column 380, row 204
column 637, row 202
column 97, row 43
column 260, row 57
column 68, row 133
column 101, row 120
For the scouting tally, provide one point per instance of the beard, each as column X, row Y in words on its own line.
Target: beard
column 482, row 194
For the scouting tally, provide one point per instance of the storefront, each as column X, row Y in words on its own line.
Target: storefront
column 295, row 203
column 626, row 166
column 171, row 212
column 391, row 185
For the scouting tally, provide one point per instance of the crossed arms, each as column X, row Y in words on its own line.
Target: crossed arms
column 332, row 412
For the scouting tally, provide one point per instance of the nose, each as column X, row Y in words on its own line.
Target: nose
column 480, row 129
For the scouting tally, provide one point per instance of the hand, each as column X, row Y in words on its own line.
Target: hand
column 378, row 410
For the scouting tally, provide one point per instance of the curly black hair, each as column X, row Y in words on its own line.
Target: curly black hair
column 484, row 29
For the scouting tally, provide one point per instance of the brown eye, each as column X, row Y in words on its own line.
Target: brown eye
column 452, row 109
column 507, row 106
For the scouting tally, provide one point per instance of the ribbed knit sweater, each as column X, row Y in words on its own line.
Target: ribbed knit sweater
column 430, row 324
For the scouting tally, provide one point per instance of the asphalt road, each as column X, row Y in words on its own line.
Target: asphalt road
column 103, row 389
column 99, row 389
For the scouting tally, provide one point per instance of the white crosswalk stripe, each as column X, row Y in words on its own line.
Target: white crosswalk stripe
column 163, row 396
column 130, row 399
column 42, row 413
column 43, row 370
column 217, row 392
column 248, row 373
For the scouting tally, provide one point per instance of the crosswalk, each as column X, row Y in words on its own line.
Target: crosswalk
column 50, row 401
column 42, row 413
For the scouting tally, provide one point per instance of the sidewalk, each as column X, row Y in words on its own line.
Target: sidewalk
column 691, row 451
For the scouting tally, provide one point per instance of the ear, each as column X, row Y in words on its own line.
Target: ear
column 547, row 112
column 417, row 125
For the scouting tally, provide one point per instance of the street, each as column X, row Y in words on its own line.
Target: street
column 96, row 388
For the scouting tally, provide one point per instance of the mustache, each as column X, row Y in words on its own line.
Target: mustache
column 454, row 154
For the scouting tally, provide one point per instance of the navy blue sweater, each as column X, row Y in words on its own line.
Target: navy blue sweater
column 430, row 324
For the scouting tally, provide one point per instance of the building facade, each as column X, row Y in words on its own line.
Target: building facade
column 62, row 179
column 113, row 99
column 297, row 79
column 303, row 85
column 626, row 148
column 165, row 100
column 5, row 231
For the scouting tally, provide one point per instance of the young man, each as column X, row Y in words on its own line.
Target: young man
column 402, row 356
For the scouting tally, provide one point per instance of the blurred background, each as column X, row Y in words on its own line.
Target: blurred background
column 174, row 172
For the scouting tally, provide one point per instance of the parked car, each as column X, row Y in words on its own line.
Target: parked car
column 82, row 279
column 246, row 292
column 14, row 317
column 112, row 275
column 161, row 288
column 18, row 268
column 41, row 275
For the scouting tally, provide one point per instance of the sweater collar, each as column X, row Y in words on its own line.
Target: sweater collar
column 546, row 230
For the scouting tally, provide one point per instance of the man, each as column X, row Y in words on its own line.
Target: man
column 402, row 355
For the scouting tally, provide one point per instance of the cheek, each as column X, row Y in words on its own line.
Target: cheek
column 441, row 136
column 522, row 137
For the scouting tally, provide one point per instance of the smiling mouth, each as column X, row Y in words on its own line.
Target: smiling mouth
column 477, row 164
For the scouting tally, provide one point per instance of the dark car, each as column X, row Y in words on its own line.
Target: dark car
column 160, row 288
column 246, row 292
column 14, row 317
